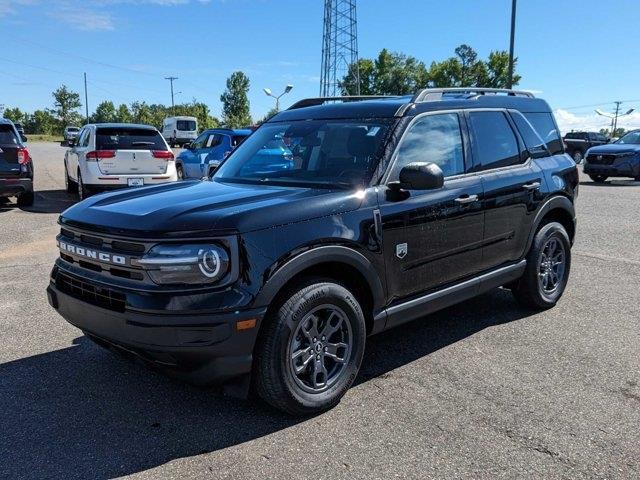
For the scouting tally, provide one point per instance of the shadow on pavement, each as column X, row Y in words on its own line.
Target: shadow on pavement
column 612, row 183
column 81, row 412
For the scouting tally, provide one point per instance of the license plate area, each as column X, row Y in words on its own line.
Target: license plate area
column 135, row 182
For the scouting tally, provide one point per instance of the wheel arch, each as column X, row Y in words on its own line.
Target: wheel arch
column 559, row 209
column 343, row 264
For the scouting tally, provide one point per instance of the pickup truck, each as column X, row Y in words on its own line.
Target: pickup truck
column 577, row 143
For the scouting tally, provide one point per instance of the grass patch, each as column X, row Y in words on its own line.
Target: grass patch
column 39, row 137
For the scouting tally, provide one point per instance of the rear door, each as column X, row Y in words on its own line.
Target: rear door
column 132, row 151
column 511, row 183
column 9, row 145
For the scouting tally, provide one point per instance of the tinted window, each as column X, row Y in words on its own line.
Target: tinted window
column 433, row 138
column 72, row 129
column 495, row 142
column 546, row 128
column 124, row 138
column 528, row 134
column 201, row 140
column 214, row 140
column 237, row 140
column 7, row 135
column 631, row 138
column 83, row 141
column 186, row 125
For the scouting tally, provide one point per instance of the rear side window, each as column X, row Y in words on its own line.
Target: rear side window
column 433, row 138
column 123, row 138
column 7, row 135
column 546, row 128
column 186, row 125
column 495, row 142
column 237, row 140
column 528, row 134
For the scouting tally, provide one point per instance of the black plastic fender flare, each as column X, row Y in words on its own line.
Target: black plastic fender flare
column 316, row 256
column 555, row 202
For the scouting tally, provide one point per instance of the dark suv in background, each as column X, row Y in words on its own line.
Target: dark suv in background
column 390, row 209
column 16, row 168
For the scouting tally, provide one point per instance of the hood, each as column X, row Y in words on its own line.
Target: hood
column 614, row 148
column 206, row 206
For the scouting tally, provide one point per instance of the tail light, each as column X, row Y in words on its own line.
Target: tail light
column 99, row 154
column 23, row 156
column 166, row 154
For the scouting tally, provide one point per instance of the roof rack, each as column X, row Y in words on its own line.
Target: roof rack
column 429, row 94
column 313, row 102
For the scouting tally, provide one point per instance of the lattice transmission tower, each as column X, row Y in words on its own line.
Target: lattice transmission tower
column 339, row 46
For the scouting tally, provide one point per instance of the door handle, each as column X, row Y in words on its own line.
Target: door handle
column 531, row 186
column 466, row 199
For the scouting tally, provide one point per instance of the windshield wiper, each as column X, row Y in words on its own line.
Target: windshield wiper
column 135, row 144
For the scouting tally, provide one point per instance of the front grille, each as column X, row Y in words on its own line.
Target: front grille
column 601, row 159
column 99, row 296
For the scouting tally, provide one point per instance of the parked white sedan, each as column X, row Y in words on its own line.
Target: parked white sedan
column 117, row 155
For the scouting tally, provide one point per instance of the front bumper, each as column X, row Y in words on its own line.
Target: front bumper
column 623, row 169
column 200, row 348
column 10, row 187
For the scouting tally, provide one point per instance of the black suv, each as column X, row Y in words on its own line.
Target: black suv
column 16, row 169
column 273, row 274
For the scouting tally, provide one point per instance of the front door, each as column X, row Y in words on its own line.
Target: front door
column 432, row 238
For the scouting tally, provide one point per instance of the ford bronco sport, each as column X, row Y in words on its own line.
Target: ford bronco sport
column 272, row 278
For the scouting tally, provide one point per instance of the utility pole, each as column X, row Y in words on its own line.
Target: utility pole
column 171, row 79
column 512, row 42
column 614, row 117
column 86, row 97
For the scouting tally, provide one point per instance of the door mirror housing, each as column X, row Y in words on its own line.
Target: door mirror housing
column 419, row 176
column 188, row 146
column 539, row 151
column 23, row 137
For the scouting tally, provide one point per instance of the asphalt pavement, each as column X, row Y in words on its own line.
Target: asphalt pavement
column 484, row 389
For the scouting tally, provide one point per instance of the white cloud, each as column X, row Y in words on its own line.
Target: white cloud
column 13, row 6
column 568, row 121
column 83, row 18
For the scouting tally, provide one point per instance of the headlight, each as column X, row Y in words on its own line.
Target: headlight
column 195, row 264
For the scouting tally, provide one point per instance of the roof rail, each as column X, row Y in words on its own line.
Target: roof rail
column 429, row 94
column 313, row 102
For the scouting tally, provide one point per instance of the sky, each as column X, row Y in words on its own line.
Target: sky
column 575, row 54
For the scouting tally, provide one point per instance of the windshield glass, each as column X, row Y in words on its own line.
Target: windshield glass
column 186, row 125
column 631, row 138
column 72, row 129
column 329, row 153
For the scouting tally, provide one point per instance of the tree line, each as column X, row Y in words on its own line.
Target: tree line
column 390, row 73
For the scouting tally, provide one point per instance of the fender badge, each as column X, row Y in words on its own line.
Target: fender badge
column 401, row 250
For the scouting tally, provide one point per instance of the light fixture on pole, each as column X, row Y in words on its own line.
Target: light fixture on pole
column 287, row 89
column 614, row 116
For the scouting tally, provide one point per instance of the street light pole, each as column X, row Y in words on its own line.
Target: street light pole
column 86, row 97
column 287, row 89
column 512, row 43
column 614, row 117
column 171, row 79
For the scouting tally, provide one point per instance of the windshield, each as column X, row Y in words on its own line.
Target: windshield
column 186, row 125
column 72, row 129
column 325, row 153
column 632, row 138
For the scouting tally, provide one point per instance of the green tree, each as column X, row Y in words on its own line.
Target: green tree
column 41, row 121
column 66, row 105
column 15, row 115
column 268, row 115
column 498, row 70
column 105, row 113
column 365, row 69
column 397, row 74
column 141, row 113
column 123, row 114
column 235, row 102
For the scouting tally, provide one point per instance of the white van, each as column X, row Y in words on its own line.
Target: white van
column 180, row 130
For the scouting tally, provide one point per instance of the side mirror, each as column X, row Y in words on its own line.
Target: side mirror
column 71, row 143
column 23, row 137
column 419, row 176
column 539, row 151
column 187, row 146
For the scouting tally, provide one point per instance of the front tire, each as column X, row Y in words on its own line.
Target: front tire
column 548, row 267
column 598, row 178
column 180, row 172
column 311, row 348
column 69, row 184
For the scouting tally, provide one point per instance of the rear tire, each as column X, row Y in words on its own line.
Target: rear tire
column 69, row 184
column 577, row 156
column 82, row 191
column 548, row 267
column 598, row 178
column 26, row 199
column 311, row 348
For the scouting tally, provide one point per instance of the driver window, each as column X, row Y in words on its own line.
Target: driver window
column 84, row 139
column 199, row 142
column 433, row 138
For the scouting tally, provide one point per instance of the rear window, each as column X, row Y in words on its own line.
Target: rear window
column 186, row 125
column 7, row 135
column 546, row 128
column 128, row 139
column 72, row 129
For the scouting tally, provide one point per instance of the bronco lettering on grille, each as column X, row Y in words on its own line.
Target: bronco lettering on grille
column 92, row 254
